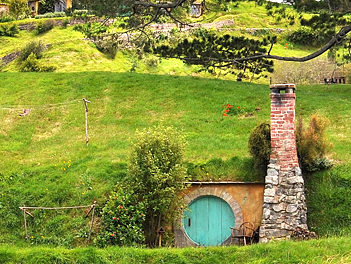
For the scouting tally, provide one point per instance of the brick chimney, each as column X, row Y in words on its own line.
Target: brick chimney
column 284, row 208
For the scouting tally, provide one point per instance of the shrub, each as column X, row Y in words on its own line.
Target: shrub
column 45, row 26
column 156, row 175
column 9, row 30
column 4, row 17
column 151, row 61
column 304, row 36
column 122, row 220
column 80, row 13
column 260, row 147
column 65, row 22
column 312, row 144
column 19, row 8
column 90, row 29
column 35, row 47
column 51, row 15
column 107, row 45
column 31, row 64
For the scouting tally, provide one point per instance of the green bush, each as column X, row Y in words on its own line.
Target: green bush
column 157, row 176
column 51, row 15
column 122, row 220
column 260, row 147
column 80, row 13
column 31, row 64
column 9, row 30
column 6, row 18
column 65, row 22
column 45, row 26
column 303, row 36
column 108, row 46
column 35, row 47
column 312, row 144
column 91, row 29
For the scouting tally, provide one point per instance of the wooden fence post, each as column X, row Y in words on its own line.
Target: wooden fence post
column 92, row 220
column 25, row 221
column 86, row 121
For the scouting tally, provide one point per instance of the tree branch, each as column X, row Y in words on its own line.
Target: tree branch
column 335, row 40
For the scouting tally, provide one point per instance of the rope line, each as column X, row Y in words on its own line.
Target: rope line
column 21, row 107
column 56, row 208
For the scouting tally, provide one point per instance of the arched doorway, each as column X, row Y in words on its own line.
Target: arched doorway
column 208, row 220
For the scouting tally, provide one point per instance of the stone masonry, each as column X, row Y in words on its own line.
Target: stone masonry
column 284, row 208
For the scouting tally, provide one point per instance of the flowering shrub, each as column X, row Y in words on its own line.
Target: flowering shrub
column 122, row 220
column 230, row 109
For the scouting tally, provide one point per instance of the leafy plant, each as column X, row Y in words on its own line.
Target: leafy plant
column 312, row 144
column 9, row 30
column 156, row 175
column 35, row 47
column 260, row 146
column 122, row 219
column 45, row 26
column 91, row 29
column 31, row 64
column 4, row 17
column 19, row 8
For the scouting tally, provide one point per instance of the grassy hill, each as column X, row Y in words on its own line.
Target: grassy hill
column 45, row 161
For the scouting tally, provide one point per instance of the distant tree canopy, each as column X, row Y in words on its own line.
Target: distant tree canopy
column 328, row 25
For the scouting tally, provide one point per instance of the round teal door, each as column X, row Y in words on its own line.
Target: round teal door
column 208, row 220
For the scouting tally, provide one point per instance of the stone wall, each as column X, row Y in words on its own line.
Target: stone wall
column 284, row 207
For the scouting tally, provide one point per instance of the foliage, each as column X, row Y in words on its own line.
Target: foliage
column 157, row 176
column 216, row 51
column 19, row 8
column 260, row 146
column 304, row 36
column 65, row 22
column 47, row 6
column 51, row 15
column 312, row 144
column 91, row 30
column 44, row 26
column 32, row 64
column 108, row 8
column 82, row 13
column 107, row 45
column 35, row 47
column 4, row 17
column 122, row 219
column 9, row 30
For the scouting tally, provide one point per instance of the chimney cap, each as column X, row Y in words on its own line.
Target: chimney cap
column 287, row 87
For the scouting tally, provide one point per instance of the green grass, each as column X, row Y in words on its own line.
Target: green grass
column 326, row 250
